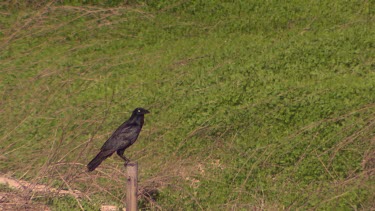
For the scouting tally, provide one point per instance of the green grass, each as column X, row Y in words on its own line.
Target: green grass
column 255, row 104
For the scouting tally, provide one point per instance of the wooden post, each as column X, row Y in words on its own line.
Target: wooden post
column 132, row 186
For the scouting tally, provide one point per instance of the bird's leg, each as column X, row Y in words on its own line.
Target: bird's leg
column 125, row 159
column 121, row 154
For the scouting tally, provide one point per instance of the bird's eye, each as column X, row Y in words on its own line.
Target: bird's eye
column 139, row 111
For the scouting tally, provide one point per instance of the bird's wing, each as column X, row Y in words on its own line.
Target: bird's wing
column 123, row 137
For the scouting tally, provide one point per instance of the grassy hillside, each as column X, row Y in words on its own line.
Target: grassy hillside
column 255, row 104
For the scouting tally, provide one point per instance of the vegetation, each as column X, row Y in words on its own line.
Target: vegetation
column 255, row 104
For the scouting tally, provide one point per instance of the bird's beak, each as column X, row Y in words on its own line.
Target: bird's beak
column 147, row 112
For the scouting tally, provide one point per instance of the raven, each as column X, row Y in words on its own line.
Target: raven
column 121, row 139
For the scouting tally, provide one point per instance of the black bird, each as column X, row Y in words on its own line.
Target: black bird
column 121, row 139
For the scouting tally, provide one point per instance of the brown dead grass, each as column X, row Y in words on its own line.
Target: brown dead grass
column 16, row 200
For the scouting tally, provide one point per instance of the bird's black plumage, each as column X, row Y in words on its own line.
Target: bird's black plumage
column 121, row 139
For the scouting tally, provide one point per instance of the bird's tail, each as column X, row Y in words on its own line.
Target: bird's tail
column 97, row 160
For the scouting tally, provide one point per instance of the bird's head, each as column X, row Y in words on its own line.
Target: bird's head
column 140, row 111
